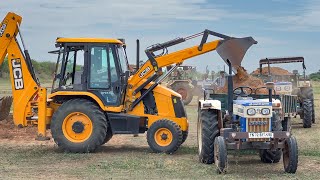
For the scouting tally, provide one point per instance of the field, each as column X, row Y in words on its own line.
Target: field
column 128, row 157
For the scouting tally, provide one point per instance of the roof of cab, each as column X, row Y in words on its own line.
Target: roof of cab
column 88, row 40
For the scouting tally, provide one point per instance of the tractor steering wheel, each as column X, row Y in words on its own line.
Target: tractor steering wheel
column 264, row 87
column 243, row 91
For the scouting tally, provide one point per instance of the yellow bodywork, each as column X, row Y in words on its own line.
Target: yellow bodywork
column 88, row 40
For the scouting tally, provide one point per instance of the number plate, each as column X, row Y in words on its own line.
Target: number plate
column 261, row 135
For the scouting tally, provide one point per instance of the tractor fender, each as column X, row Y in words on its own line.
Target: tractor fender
column 210, row 104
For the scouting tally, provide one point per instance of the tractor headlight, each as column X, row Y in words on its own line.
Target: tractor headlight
column 251, row 111
column 265, row 111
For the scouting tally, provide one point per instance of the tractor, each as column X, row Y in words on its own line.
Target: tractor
column 294, row 84
column 243, row 119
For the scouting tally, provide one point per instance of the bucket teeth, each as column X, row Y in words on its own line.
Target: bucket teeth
column 5, row 106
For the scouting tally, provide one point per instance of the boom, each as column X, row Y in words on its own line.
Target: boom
column 25, row 86
column 229, row 48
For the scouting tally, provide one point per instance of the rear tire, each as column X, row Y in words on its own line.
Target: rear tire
column 108, row 136
column 220, row 154
column 164, row 136
column 307, row 113
column 207, row 131
column 183, row 88
column 73, row 134
column 286, row 124
column 184, row 136
column 290, row 155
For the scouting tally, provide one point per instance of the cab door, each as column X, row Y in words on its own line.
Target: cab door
column 104, row 74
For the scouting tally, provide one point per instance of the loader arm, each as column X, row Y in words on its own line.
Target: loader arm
column 26, row 89
column 229, row 48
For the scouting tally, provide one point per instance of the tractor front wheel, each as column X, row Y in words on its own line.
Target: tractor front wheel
column 79, row 126
column 164, row 136
column 220, row 154
column 290, row 155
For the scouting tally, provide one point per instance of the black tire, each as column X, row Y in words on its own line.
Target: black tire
column 290, row 155
column 184, row 136
column 169, row 126
column 307, row 93
column 307, row 113
column 207, row 131
column 5, row 106
column 220, row 154
column 108, row 136
column 185, row 87
column 286, row 124
column 96, row 116
column 313, row 113
column 268, row 156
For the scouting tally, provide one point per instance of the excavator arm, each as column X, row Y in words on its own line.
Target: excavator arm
column 28, row 96
column 229, row 48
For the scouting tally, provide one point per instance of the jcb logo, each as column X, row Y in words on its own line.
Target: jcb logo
column 144, row 72
column 17, row 74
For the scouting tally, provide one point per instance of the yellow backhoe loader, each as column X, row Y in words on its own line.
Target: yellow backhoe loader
column 94, row 96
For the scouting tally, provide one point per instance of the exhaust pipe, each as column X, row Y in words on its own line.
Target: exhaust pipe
column 5, row 106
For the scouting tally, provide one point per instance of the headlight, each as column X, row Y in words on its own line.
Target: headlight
column 251, row 111
column 265, row 111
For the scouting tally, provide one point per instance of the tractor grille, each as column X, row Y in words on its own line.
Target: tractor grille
column 289, row 105
column 258, row 125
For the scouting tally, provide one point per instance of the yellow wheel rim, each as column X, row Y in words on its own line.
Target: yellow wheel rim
column 163, row 137
column 77, row 127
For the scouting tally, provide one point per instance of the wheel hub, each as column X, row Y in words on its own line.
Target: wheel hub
column 164, row 136
column 78, row 127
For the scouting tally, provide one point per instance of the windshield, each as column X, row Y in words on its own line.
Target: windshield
column 122, row 58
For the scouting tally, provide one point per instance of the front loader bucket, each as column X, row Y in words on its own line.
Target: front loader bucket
column 234, row 49
column 5, row 105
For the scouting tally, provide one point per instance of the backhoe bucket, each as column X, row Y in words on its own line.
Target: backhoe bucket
column 234, row 49
column 5, row 105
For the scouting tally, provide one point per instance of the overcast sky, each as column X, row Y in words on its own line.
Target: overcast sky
column 281, row 27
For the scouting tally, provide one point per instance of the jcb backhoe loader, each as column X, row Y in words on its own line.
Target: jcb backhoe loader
column 93, row 95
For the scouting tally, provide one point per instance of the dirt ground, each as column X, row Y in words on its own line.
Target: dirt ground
column 128, row 157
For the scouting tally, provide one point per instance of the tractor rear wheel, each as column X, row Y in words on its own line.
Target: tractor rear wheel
column 286, row 124
column 307, row 93
column 207, row 131
column 290, row 155
column 79, row 126
column 220, row 154
column 307, row 113
column 184, row 89
column 164, row 136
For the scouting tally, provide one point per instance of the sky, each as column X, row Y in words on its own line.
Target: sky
column 282, row 27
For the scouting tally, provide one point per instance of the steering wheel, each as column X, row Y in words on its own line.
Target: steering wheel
column 264, row 87
column 243, row 91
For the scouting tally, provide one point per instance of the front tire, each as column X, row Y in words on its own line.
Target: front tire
column 290, row 155
column 220, row 154
column 164, row 136
column 78, row 126
column 207, row 131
